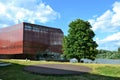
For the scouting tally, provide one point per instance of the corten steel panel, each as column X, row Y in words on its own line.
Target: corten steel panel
column 40, row 38
column 26, row 38
column 11, row 39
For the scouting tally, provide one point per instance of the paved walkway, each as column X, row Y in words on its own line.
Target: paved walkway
column 58, row 69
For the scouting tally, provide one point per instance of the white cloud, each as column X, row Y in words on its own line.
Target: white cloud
column 109, row 21
column 2, row 8
column 111, row 42
column 15, row 11
column 116, row 17
column 111, row 38
column 107, row 26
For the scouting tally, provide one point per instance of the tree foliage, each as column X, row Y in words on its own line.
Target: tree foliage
column 79, row 42
column 106, row 54
column 119, row 50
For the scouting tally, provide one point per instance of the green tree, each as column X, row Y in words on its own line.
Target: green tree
column 79, row 42
column 119, row 50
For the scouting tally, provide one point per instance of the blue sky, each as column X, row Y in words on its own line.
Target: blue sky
column 104, row 16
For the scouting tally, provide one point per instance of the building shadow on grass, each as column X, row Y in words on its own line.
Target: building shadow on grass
column 52, row 73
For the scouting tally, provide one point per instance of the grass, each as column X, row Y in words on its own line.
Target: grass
column 109, row 71
column 16, row 72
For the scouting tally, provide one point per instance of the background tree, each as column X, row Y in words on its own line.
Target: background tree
column 119, row 50
column 107, row 54
column 79, row 42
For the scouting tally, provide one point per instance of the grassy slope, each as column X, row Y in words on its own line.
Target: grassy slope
column 100, row 72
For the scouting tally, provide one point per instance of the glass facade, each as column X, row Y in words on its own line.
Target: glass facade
column 26, row 38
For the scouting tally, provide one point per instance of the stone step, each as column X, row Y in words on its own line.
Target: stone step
column 1, row 62
column 5, row 64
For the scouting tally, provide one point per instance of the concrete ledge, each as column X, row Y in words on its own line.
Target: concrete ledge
column 4, row 64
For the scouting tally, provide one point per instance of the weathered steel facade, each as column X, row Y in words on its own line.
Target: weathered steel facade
column 26, row 39
column 11, row 39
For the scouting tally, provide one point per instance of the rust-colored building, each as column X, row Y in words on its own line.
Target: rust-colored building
column 26, row 40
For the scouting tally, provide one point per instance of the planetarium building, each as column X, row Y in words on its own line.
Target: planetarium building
column 32, row 41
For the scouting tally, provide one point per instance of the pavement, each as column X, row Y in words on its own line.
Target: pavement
column 58, row 69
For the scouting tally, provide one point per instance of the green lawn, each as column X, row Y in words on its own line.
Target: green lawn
column 100, row 71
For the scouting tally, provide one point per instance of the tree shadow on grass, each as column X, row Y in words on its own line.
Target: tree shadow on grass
column 17, row 72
